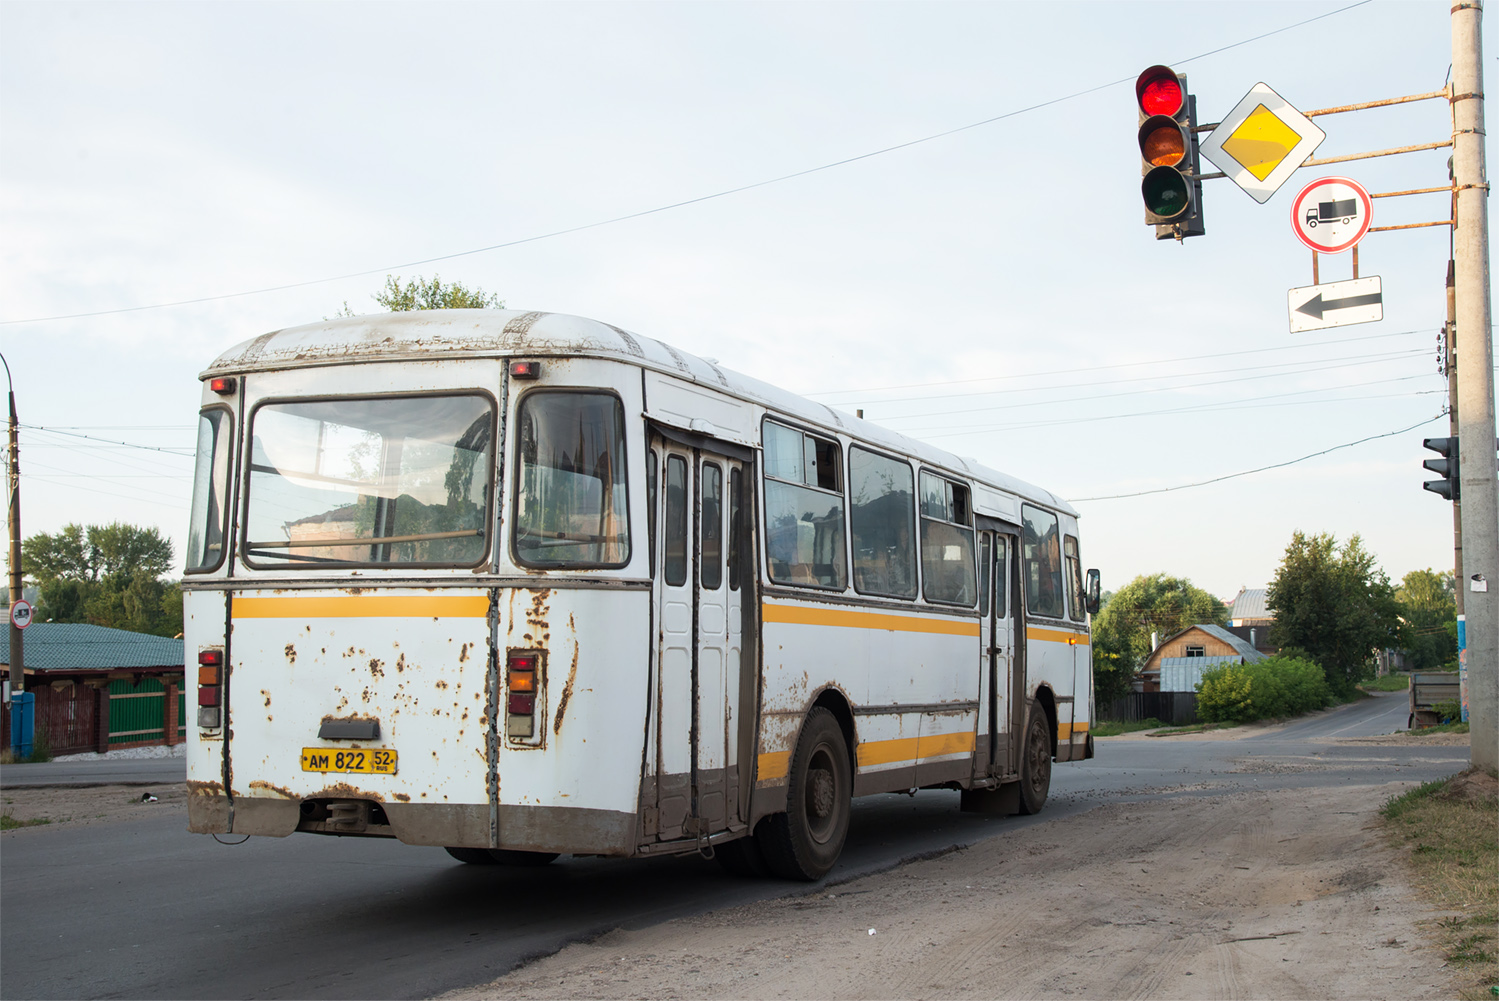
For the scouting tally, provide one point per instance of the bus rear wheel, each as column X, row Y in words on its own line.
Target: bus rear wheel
column 805, row 841
column 1035, row 762
column 509, row 856
column 471, row 856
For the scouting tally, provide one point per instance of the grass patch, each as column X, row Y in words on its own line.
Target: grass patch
column 9, row 823
column 1444, row 728
column 1453, row 840
column 1389, row 683
column 1110, row 728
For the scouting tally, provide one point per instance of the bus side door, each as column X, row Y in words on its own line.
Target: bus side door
column 998, row 642
column 699, row 608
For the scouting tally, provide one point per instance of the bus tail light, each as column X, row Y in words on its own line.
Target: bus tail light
column 522, row 682
column 210, row 688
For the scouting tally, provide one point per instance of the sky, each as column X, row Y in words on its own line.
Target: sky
column 992, row 289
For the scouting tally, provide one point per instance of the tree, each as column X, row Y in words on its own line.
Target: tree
column 1334, row 603
column 422, row 294
column 108, row 575
column 1428, row 613
column 1154, row 603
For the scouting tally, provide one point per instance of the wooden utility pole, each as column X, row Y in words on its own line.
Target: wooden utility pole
column 13, row 519
column 1475, row 385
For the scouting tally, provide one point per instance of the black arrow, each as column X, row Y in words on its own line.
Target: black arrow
column 1316, row 307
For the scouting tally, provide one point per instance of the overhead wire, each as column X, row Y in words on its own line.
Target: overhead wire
column 1260, row 469
column 685, row 202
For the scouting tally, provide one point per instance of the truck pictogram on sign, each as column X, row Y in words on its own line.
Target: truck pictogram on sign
column 1344, row 210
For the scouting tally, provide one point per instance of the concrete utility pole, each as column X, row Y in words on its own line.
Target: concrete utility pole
column 1475, row 385
column 13, row 518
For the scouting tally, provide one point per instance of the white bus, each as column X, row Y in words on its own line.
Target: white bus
column 518, row 584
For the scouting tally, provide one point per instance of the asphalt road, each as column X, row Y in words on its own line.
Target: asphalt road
column 143, row 909
column 95, row 772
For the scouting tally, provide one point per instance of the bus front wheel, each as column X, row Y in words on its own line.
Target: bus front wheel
column 805, row 841
column 1035, row 762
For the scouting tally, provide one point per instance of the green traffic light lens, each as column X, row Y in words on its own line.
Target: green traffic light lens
column 1165, row 192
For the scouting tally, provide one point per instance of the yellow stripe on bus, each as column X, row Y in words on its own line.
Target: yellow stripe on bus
column 1055, row 636
column 1066, row 730
column 374, row 606
column 848, row 618
column 884, row 752
column 775, row 764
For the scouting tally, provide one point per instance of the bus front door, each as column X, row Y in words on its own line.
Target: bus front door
column 699, row 610
column 998, row 640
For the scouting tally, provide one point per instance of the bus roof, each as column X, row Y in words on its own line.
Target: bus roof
column 430, row 335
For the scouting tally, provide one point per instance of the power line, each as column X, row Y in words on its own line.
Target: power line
column 170, row 450
column 686, row 202
column 1261, row 469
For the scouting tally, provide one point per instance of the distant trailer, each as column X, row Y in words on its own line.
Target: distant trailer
column 1427, row 689
column 1343, row 210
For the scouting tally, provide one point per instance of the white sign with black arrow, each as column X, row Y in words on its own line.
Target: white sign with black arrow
column 1336, row 304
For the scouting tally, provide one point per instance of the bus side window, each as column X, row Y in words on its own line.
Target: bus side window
column 1074, row 580
column 1043, row 562
column 676, row 521
column 947, row 571
column 650, row 505
column 803, row 509
column 1001, row 576
column 710, row 548
column 882, row 514
column 984, row 561
column 736, row 526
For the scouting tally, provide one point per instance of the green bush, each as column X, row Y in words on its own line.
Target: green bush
column 1277, row 686
column 1451, row 710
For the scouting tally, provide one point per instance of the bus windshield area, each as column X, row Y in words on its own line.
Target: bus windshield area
column 370, row 481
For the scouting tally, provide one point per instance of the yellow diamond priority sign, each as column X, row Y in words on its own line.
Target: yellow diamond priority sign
column 1262, row 142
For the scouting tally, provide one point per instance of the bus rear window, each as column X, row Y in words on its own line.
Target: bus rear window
column 571, row 506
column 370, row 481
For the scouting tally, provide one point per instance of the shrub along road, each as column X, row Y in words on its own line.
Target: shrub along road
column 178, row 915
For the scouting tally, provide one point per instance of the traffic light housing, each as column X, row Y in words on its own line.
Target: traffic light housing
column 1170, row 184
column 1445, row 467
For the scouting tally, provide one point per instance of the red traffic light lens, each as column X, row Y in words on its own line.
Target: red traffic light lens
column 1158, row 91
column 1162, row 142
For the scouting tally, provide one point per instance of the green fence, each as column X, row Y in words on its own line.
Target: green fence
column 137, row 712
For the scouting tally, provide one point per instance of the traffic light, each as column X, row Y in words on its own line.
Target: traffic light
column 1170, row 184
column 1445, row 466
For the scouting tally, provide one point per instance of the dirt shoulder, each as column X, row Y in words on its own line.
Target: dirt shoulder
column 54, row 806
column 1293, row 895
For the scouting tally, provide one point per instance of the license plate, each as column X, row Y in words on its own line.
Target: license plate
column 332, row 759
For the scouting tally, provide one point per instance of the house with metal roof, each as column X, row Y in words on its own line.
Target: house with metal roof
column 1176, row 665
column 101, row 689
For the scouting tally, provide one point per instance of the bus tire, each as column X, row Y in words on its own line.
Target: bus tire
column 805, row 841
column 1035, row 762
column 471, row 856
column 509, row 856
column 742, row 858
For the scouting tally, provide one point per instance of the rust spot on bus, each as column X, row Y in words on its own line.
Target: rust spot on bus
column 400, row 796
column 441, row 683
column 463, row 653
column 266, row 693
column 342, row 790
column 198, row 788
column 291, row 654
column 278, row 790
column 400, row 663
column 376, row 668
column 572, row 676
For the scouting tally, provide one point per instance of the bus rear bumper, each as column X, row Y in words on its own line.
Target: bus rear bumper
column 560, row 829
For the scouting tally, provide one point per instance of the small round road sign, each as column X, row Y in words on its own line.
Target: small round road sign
column 20, row 614
column 1332, row 214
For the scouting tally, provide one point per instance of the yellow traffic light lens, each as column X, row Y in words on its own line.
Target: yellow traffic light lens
column 1164, row 145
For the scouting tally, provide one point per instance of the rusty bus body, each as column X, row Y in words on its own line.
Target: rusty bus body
column 519, row 584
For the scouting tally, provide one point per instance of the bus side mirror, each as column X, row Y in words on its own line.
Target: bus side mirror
column 1093, row 592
